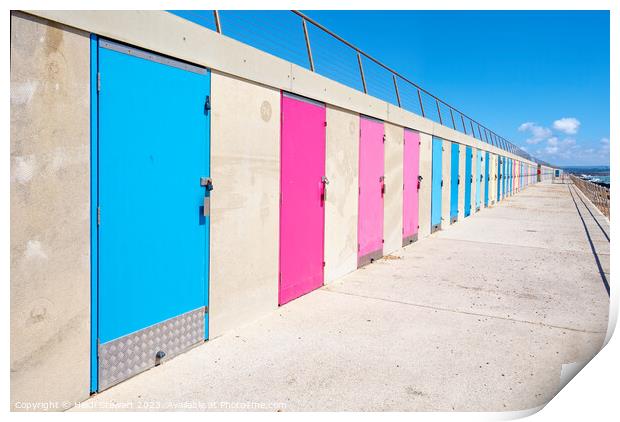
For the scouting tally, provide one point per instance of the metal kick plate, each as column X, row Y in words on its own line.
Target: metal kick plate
column 370, row 257
column 410, row 239
column 129, row 355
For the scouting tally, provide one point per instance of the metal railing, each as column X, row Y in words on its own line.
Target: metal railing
column 598, row 195
column 398, row 89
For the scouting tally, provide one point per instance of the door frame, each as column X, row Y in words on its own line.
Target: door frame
column 94, row 199
column 288, row 94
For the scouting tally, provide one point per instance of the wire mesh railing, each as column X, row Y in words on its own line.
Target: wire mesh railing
column 302, row 40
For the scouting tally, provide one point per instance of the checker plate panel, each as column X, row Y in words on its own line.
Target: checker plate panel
column 129, row 355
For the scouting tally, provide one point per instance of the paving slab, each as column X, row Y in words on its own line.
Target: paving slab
column 478, row 317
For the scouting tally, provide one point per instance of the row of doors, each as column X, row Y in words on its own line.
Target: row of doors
column 151, row 204
column 491, row 181
column 304, row 189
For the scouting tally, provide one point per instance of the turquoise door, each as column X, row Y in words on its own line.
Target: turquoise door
column 478, row 179
column 468, row 181
column 511, row 176
column 153, row 209
column 454, row 182
column 436, row 184
column 499, row 177
column 487, row 178
column 504, row 176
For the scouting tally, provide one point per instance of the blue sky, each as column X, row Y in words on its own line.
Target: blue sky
column 538, row 78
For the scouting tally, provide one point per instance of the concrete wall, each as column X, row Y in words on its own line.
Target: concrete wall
column 474, row 174
column 169, row 34
column 50, row 180
column 492, row 179
column 462, row 154
column 50, row 212
column 393, row 198
column 341, row 168
column 446, row 178
column 245, row 213
column 424, row 211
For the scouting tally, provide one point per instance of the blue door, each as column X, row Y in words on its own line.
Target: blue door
column 454, row 183
column 468, row 181
column 487, row 178
column 499, row 177
column 510, row 176
column 478, row 179
column 505, row 176
column 436, row 184
column 153, row 209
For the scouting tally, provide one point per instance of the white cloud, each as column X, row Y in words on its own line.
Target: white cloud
column 555, row 148
column 558, row 143
column 568, row 125
column 537, row 133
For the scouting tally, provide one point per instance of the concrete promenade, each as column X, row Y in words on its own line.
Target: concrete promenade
column 480, row 316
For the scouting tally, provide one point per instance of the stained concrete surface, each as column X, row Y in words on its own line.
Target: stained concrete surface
column 245, row 205
column 480, row 316
column 50, row 213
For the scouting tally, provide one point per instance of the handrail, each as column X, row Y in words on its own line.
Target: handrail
column 484, row 134
column 509, row 146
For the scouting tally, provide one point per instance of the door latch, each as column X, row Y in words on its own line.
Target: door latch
column 207, row 105
column 324, row 183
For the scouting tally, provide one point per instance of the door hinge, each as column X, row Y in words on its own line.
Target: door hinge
column 207, row 104
column 358, row 247
column 98, row 82
column 325, row 124
column 206, row 309
column 98, row 216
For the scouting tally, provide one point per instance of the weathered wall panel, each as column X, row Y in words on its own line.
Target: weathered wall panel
column 245, row 157
column 341, row 167
column 474, row 177
column 50, row 212
column 446, row 177
column 426, row 145
column 492, row 179
column 393, row 199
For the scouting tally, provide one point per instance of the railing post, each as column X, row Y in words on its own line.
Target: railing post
column 359, row 62
column 396, row 89
column 421, row 106
column 473, row 132
column 218, row 24
column 463, row 121
column 452, row 115
column 438, row 111
column 303, row 23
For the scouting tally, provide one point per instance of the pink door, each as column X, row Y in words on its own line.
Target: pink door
column 302, row 214
column 371, row 189
column 411, row 170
